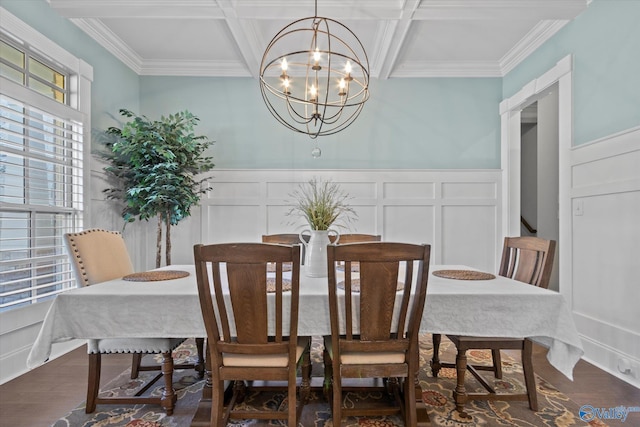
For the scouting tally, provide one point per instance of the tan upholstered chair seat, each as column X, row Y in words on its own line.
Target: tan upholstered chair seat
column 363, row 358
column 264, row 360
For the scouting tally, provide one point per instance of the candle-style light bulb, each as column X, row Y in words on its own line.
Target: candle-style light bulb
column 347, row 69
column 284, row 64
column 342, row 85
column 316, row 60
column 313, row 91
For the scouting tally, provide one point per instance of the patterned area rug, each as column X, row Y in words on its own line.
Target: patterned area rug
column 555, row 409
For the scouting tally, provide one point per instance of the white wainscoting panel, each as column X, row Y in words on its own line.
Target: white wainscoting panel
column 457, row 212
column 606, row 251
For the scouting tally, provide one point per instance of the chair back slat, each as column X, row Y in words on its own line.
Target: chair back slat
column 348, row 303
column 378, row 286
column 528, row 259
column 248, row 293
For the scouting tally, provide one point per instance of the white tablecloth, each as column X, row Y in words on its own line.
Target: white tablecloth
column 499, row 307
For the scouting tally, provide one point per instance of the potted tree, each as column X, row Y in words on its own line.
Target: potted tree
column 154, row 164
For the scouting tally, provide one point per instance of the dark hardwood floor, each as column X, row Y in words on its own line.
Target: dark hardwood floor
column 42, row 396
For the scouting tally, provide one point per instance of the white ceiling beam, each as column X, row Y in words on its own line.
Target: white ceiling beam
column 499, row 9
column 388, row 56
column 195, row 9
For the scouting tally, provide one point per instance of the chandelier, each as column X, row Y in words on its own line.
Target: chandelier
column 314, row 76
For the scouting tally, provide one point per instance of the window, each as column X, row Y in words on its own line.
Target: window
column 41, row 174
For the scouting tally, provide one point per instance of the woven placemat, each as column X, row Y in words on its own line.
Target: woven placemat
column 154, row 276
column 464, row 274
column 355, row 285
column 271, row 285
column 271, row 267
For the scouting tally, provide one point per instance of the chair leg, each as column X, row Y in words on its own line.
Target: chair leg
column 135, row 365
column 497, row 363
column 93, row 384
column 293, row 403
column 200, row 364
column 435, row 359
column 217, row 405
column 410, row 415
column 529, row 377
column 169, row 396
column 336, row 391
column 460, row 393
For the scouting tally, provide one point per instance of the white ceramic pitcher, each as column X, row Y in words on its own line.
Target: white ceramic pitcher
column 315, row 261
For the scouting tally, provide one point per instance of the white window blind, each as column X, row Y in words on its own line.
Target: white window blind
column 41, row 193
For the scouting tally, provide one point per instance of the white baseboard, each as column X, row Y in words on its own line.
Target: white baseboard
column 611, row 361
column 13, row 364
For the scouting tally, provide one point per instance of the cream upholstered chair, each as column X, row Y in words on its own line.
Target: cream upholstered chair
column 381, row 322
column 528, row 260
column 98, row 256
column 241, row 349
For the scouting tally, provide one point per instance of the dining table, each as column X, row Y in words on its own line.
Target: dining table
column 497, row 307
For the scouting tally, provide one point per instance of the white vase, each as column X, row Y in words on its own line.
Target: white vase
column 315, row 260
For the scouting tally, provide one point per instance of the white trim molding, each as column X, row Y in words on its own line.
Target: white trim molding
column 510, row 112
column 605, row 243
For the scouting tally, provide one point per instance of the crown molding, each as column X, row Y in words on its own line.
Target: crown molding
column 205, row 68
column 418, row 69
column 535, row 38
column 111, row 42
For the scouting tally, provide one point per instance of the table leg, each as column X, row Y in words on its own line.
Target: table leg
column 169, row 397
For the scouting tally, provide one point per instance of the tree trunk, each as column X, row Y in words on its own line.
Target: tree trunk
column 168, row 243
column 159, row 242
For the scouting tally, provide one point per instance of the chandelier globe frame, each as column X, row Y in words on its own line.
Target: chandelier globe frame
column 321, row 88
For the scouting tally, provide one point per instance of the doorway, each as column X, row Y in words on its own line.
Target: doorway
column 539, row 172
column 511, row 110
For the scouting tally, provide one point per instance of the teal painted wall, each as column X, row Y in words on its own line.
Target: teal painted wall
column 443, row 123
column 605, row 43
column 114, row 84
column 407, row 123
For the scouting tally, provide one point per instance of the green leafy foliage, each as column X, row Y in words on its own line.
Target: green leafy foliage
column 154, row 164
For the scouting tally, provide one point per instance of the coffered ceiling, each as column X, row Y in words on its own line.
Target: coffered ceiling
column 402, row 38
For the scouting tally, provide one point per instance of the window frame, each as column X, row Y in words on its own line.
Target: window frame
column 77, row 93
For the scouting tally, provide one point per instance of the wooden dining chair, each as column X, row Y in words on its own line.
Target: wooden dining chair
column 251, row 318
column 285, row 239
column 528, row 260
column 379, row 337
column 98, row 256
